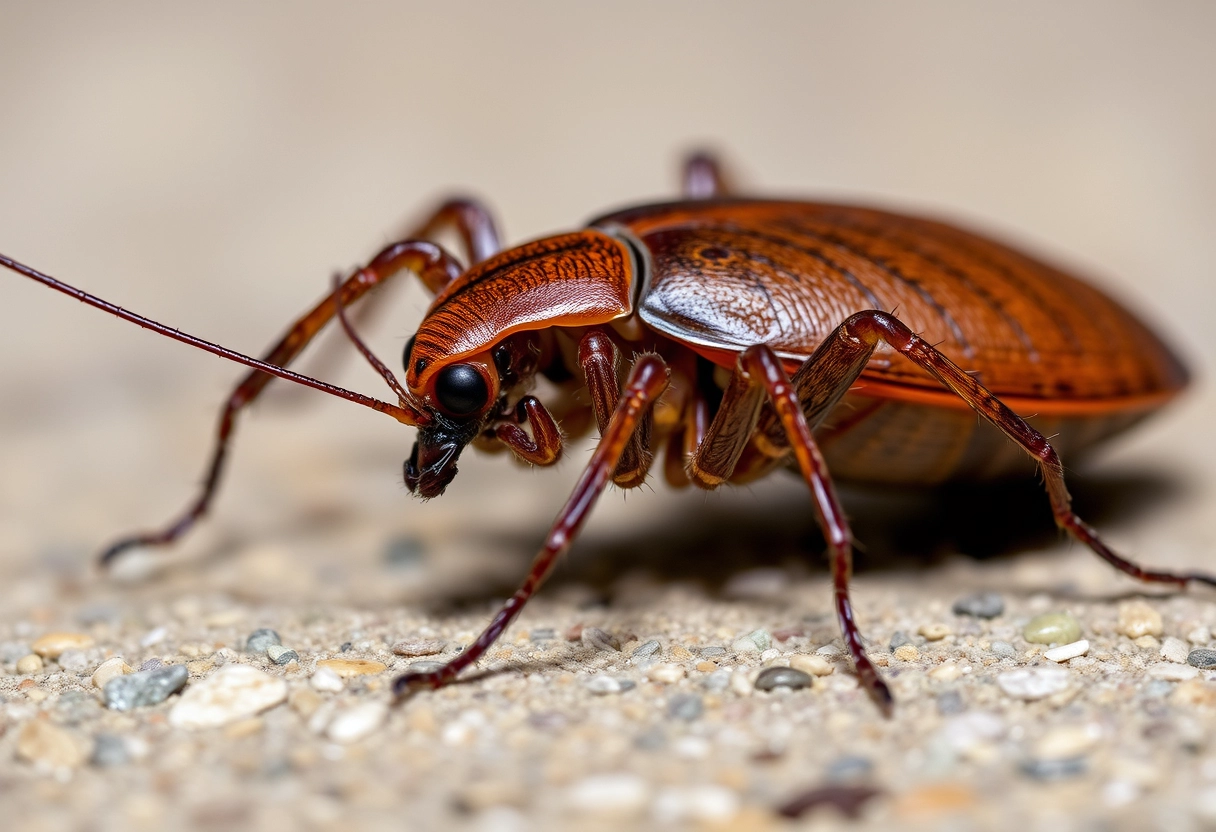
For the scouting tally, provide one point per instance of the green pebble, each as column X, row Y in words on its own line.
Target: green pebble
column 1052, row 628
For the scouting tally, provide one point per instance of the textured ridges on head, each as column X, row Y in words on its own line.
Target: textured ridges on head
column 579, row 279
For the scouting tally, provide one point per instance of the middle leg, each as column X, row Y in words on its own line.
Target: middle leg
column 758, row 376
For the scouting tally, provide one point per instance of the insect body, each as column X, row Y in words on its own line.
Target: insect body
column 737, row 336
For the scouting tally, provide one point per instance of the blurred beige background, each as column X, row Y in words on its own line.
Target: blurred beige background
column 212, row 167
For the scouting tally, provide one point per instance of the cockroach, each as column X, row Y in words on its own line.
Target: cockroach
column 738, row 336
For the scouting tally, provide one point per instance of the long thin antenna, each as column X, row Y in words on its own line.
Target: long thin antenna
column 401, row 414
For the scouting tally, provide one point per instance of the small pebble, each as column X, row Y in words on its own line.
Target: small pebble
column 326, row 680
column 358, row 722
column 849, row 767
column 814, row 665
column 1034, row 682
column 1052, row 770
column 232, row 693
column 980, row 605
column 40, row 741
column 74, row 661
column 1067, row 651
column 422, row 647
column 666, row 673
column 1067, row 742
column 260, row 639
column 52, row 645
column 12, row 651
column 713, row 651
column 602, row 684
column 946, row 672
column 1137, row 618
column 619, row 795
column 147, row 687
column 1199, row 635
column 1052, row 628
column 907, row 653
column 282, row 655
column 898, row 639
column 756, row 641
column 29, row 665
column 1004, row 649
column 543, row 634
column 109, row 750
column 1174, row 650
column 950, row 702
column 685, row 706
column 933, row 632
column 600, row 639
column 645, row 650
column 348, row 668
column 782, row 677
column 424, row 666
column 1202, row 657
column 151, row 664
column 154, row 636
column 705, row 804
column 719, row 680
column 1172, row 672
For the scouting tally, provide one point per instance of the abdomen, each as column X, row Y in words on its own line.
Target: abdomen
column 728, row 274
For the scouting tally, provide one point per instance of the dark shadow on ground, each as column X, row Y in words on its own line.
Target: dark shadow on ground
column 709, row 542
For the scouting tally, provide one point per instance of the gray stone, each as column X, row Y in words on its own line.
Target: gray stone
column 782, row 677
column 950, row 702
column 543, row 634
column 898, row 639
column 713, row 651
column 282, row 655
column 260, row 639
column 645, row 650
column 1051, row 770
column 146, row 687
column 1004, row 649
column 685, row 706
column 1201, row 657
column 152, row 664
column 600, row 639
column 109, row 750
column 980, row 605
column 849, row 767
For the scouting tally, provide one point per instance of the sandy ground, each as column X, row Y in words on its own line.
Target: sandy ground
column 212, row 171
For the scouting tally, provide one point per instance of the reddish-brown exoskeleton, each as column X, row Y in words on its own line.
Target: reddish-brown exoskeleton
column 743, row 335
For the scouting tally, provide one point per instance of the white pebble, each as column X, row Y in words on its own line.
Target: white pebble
column 666, row 673
column 1070, row 651
column 1174, row 650
column 603, row 684
column 706, row 803
column 610, row 794
column 325, row 679
column 109, row 669
column 1034, row 682
column 946, row 672
column 155, row 636
column 966, row 731
column 1199, row 635
column 814, row 664
column 1172, row 672
column 233, row 692
column 358, row 722
column 742, row 682
column 1067, row 742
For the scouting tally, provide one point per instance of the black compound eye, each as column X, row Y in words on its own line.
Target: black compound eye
column 461, row 390
column 405, row 355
